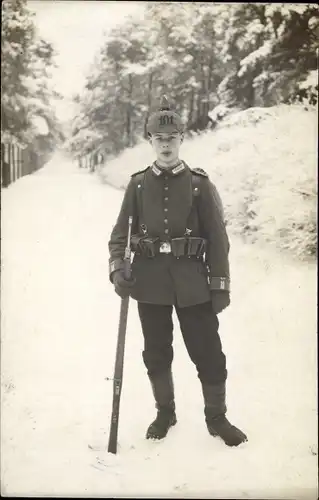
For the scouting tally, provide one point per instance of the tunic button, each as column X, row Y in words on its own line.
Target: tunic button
column 166, row 199
column 166, row 188
column 166, row 221
column 165, row 209
column 166, row 231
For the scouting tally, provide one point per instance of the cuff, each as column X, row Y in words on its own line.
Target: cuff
column 115, row 265
column 219, row 284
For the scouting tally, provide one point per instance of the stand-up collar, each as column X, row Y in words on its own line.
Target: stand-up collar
column 177, row 169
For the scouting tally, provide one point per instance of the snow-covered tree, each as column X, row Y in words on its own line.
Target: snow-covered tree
column 16, row 39
column 27, row 107
column 202, row 55
column 270, row 49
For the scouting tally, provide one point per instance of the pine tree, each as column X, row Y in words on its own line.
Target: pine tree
column 26, row 91
column 17, row 37
column 201, row 55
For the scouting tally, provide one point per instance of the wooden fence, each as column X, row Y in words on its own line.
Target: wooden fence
column 17, row 162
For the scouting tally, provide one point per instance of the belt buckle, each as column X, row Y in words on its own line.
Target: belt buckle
column 165, row 247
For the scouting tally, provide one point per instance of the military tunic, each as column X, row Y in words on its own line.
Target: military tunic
column 162, row 202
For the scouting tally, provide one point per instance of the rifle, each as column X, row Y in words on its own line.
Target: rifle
column 119, row 358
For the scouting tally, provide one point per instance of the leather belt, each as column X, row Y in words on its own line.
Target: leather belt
column 179, row 247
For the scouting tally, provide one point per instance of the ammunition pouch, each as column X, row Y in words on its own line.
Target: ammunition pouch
column 185, row 246
column 188, row 246
column 145, row 245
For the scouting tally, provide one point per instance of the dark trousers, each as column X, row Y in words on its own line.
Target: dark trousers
column 199, row 325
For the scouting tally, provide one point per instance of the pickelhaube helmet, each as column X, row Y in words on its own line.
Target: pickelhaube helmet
column 164, row 120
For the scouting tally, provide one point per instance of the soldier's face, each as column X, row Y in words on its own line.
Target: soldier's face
column 166, row 147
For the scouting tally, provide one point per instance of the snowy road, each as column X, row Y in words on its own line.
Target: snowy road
column 59, row 328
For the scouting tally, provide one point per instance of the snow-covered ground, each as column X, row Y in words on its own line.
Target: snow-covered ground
column 59, row 330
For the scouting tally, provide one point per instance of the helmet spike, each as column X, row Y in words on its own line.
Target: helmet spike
column 164, row 106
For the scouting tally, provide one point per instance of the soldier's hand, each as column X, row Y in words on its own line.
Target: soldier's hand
column 220, row 300
column 122, row 286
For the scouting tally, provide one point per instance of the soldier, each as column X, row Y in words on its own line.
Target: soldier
column 180, row 260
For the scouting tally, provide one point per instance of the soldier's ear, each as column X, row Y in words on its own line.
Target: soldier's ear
column 182, row 138
column 149, row 137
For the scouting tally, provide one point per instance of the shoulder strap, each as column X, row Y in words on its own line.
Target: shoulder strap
column 139, row 186
column 197, row 174
column 196, row 188
column 196, row 184
column 139, row 172
column 199, row 171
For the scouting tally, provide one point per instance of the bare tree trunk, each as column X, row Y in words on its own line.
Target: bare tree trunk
column 204, row 96
column 209, row 83
column 201, row 93
column 251, row 94
column 129, row 112
column 191, row 108
column 149, row 101
column 198, row 106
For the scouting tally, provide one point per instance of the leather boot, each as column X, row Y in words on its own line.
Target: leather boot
column 216, row 421
column 163, row 390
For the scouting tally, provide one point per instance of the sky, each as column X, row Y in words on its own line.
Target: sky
column 75, row 28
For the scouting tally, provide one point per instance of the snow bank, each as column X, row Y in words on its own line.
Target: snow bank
column 264, row 163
